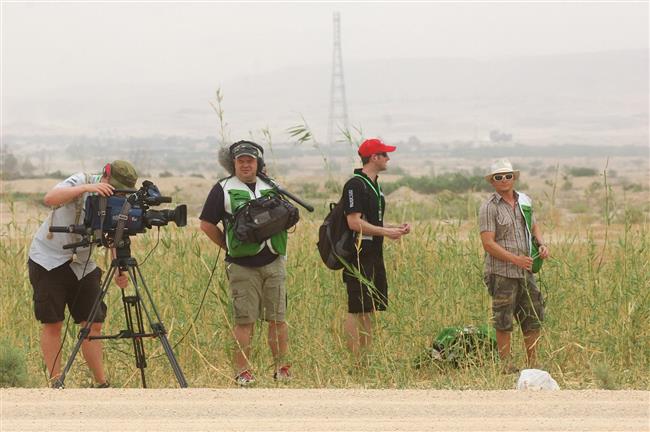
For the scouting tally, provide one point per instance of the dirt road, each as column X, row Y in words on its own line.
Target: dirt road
column 322, row 410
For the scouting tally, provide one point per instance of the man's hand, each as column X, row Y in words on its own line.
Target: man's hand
column 394, row 233
column 406, row 227
column 103, row 189
column 524, row 262
column 543, row 252
column 121, row 279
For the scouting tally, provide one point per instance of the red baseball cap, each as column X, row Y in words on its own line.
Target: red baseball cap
column 373, row 146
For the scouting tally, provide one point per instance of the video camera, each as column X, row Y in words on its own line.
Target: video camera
column 117, row 217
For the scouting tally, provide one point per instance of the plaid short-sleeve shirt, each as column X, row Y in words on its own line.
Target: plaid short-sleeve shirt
column 509, row 228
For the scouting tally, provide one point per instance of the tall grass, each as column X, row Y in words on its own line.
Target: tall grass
column 596, row 332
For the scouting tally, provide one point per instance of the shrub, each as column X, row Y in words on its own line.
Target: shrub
column 605, row 377
column 333, row 186
column 581, row 171
column 580, row 207
column 310, row 190
column 13, row 370
column 632, row 187
column 455, row 182
column 56, row 175
column 632, row 215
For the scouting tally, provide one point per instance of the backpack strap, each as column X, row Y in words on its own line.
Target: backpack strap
column 79, row 205
column 376, row 190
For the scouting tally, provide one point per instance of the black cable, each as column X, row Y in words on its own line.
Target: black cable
column 152, row 249
column 205, row 293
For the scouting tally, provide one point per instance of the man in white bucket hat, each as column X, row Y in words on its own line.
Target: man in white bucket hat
column 514, row 251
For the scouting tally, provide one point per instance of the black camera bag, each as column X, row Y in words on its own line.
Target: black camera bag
column 261, row 218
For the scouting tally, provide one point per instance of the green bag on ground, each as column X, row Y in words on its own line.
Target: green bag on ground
column 459, row 345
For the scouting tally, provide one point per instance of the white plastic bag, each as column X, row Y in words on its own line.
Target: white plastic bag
column 536, row 379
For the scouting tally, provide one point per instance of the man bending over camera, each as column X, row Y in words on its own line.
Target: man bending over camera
column 61, row 277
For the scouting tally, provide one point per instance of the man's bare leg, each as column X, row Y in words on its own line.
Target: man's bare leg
column 243, row 334
column 92, row 352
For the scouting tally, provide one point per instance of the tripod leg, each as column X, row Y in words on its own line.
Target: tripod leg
column 132, row 303
column 158, row 327
column 162, row 335
column 85, row 331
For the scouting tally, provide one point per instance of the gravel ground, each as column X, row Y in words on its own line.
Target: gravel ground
column 321, row 410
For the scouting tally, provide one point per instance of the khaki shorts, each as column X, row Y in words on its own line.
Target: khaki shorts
column 258, row 292
column 515, row 297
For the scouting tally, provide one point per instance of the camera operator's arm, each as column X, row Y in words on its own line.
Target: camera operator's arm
column 63, row 195
column 214, row 233
column 121, row 279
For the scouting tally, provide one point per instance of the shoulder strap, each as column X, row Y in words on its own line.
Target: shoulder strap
column 79, row 203
column 101, row 212
column 363, row 181
column 121, row 222
column 367, row 182
column 377, row 192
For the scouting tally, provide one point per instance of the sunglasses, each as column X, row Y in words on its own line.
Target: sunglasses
column 499, row 177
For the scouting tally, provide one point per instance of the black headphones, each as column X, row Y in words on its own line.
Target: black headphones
column 260, row 158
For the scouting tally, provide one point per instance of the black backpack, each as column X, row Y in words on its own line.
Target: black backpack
column 335, row 238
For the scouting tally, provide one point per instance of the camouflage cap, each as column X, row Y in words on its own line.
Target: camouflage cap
column 245, row 148
column 123, row 175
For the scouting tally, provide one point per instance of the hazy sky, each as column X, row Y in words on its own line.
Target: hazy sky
column 47, row 45
column 103, row 64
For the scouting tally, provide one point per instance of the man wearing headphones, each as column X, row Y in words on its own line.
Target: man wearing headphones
column 256, row 272
column 61, row 277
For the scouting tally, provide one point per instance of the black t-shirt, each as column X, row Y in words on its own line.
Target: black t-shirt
column 362, row 195
column 215, row 212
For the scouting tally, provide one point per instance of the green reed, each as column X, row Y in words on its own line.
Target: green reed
column 596, row 332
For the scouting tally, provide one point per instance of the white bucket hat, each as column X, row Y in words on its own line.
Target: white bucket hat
column 501, row 166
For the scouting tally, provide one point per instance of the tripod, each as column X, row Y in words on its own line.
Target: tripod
column 133, row 312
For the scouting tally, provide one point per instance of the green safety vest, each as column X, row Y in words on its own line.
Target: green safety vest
column 236, row 194
column 526, row 207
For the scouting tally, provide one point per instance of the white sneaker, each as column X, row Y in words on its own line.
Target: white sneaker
column 244, row 378
column 282, row 374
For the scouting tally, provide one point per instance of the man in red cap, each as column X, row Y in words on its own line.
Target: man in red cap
column 366, row 279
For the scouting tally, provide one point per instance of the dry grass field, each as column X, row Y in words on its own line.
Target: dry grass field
column 596, row 335
column 596, row 288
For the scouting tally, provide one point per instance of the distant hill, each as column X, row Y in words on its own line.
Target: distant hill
column 592, row 98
